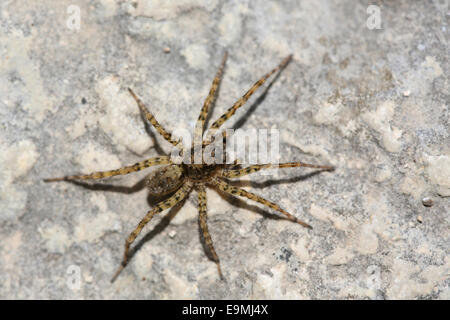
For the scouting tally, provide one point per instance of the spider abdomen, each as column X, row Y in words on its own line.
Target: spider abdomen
column 164, row 180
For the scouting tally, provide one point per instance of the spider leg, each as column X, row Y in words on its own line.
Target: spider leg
column 150, row 117
column 203, row 225
column 199, row 126
column 258, row 167
column 223, row 140
column 125, row 170
column 230, row 112
column 161, row 206
column 235, row 191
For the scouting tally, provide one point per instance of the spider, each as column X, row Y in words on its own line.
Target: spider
column 178, row 180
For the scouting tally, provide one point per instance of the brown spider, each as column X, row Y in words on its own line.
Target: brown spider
column 180, row 179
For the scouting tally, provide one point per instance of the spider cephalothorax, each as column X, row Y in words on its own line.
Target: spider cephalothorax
column 179, row 179
column 199, row 173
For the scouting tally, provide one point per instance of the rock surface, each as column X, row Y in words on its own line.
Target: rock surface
column 366, row 93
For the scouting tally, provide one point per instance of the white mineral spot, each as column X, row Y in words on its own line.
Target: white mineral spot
column 172, row 234
column 187, row 212
column 244, row 228
column 91, row 228
column 121, row 121
column 143, row 262
column 196, row 56
column 353, row 163
column 56, row 238
column 94, row 157
column 99, row 200
column 380, row 223
column 432, row 67
column 379, row 121
column 12, row 202
column 367, row 240
column 10, row 250
column 413, row 185
column 438, row 170
column 230, row 25
column 300, row 248
column 276, row 43
column 404, row 285
column 106, row 264
column 418, row 81
column 35, row 100
column 327, row 113
column 383, row 174
column 373, row 280
column 179, row 287
column 163, row 95
column 391, row 140
column 87, row 119
column 109, row 7
column 77, row 129
column 316, row 150
column 349, row 129
column 324, row 214
column 16, row 160
column 166, row 10
column 218, row 205
column 319, row 212
column 87, row 276
column 436, row 274
column 353, row 290
column 274, row 287
column 339, row 256
column 424, row 248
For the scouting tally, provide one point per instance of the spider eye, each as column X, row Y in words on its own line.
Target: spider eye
column 164, row 181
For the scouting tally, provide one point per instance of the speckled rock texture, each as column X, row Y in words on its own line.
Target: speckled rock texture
column 367, row 91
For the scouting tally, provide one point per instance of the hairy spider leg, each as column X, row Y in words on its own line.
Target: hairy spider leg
column 151, row 118
column 255, row 168
column 178, row 196
column 200, row 125
column 125, row 170
column 230, row 112
column 202, row 210
column 235, row 191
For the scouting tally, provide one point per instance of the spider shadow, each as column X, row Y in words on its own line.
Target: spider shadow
column 273, row 182
column 203, row 242
column 152, row 201
column 241, row 121
column 157, row 229
column 152, row 135
column 216, row 97
column 111, row 187
column 242, row 204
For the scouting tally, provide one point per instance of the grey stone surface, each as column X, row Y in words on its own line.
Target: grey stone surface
column 373, row 102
